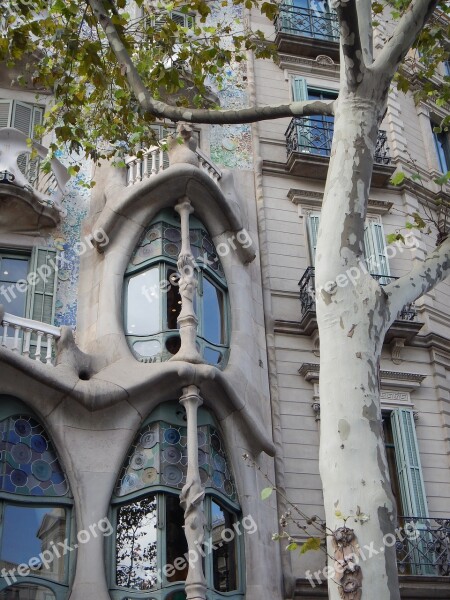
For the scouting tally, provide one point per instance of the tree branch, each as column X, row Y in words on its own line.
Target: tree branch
column 350, row 41
column 194, row 115
column 421, row 279
column 405, row 34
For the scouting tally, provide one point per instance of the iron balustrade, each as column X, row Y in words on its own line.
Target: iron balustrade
column 423, row 548
column 308, row 298
column 313, row 135
column 305, row 22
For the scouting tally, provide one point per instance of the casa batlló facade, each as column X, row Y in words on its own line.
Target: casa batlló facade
column 159, row 352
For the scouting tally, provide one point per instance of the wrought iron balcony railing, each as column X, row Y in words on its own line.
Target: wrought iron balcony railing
column 308, row 297
column 425, row 547
column 314, row 136
column 305, row 22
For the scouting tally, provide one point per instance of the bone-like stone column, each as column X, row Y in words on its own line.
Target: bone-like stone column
column 187, row 320
column 191, row 499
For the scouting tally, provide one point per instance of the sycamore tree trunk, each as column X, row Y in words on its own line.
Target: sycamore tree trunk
column 352, row 316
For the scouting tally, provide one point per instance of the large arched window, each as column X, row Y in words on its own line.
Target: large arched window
column 35, row 510
column 149, row 558
column 152, row 301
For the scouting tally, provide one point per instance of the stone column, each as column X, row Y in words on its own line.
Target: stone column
column 187, row 320
column 191, row 499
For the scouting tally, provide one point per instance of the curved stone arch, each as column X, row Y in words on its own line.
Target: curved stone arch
column 218, row 209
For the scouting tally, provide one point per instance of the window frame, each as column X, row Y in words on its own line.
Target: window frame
column 165, row 264
column 170, row 413
column 10, row 408
column 442, row 148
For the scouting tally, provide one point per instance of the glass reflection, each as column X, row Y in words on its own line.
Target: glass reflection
column 224, row 557
column 29, row 531
column 11, row 271
column 213, row 327
column 136, row 551
column 143, row 303
column 27, row 591
column 176, row 540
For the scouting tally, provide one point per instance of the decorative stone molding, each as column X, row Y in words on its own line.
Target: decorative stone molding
column 314, row 199
column 397, row 345
column 406, row 382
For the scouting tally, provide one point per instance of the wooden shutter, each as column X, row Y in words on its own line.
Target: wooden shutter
column 407, row 457
column 22, row 119
column 299, row 89
column 42, row 293
column 375, row 251
column 313, row 232
column 5, row 113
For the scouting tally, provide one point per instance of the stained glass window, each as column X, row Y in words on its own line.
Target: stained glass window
column 35, row 509
column 28, row 462
column 159, row 457
column 152, row 302
column 150, row 521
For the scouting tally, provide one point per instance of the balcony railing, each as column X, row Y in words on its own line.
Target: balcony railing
column 155, row 160
column 29, row 338
column 308, row 294
column 314, row 136
column 20, row 168
column 425, row 547
column 309, row 23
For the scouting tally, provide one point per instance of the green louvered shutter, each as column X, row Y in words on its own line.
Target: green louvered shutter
column 5, row 113
column 313, row 231
column 375, row 251
column 22, row 119
column 299, row 94
column 407, row 457
column 42, row 296
column 33, row 167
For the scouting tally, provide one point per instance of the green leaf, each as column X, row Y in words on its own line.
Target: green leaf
column 266, row 493
column 398, row 178
column 310, row 544
column 292, row 546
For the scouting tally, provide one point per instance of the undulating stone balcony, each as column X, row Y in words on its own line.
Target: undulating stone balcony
column 154, row 160
column 31, row 339
column 307, row 31
column 22, row 178
column 308, row 147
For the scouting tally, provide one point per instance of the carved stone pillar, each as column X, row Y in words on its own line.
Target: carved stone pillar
column 191, row 499
column 187, row 320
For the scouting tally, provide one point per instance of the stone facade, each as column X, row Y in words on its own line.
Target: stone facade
column 92, row 393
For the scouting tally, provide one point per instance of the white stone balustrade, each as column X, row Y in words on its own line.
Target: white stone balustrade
column 18, row 168
column 29, row 338
column 154, row 160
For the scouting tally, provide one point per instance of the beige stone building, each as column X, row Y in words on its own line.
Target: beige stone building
column 160, row 326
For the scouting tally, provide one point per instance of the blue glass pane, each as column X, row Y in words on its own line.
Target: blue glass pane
column 28, row 531
column 27, row 591
column 11, row 271
column 212, row 313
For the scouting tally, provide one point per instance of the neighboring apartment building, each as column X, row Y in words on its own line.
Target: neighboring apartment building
column 96, row 446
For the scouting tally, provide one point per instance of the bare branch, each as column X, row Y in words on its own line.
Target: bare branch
column 408, row 29
column 194, row 115
column 421, row 279
column 350, row 41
